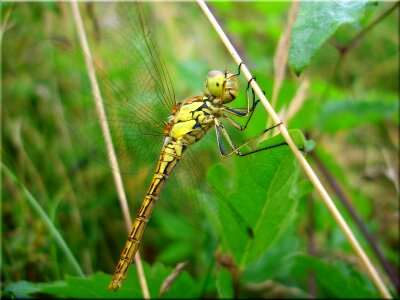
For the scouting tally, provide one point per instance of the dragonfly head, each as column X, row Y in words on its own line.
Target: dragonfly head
column 221, row 85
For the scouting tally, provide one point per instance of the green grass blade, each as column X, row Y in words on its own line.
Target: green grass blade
column 46, row 220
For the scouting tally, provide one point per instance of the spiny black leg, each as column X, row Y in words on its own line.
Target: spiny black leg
column 262, row 149
column 248, row 83
column 235, row 149
column 240, row 65
column 255, row 102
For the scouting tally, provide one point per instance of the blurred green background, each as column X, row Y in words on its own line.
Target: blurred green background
column 348, row 106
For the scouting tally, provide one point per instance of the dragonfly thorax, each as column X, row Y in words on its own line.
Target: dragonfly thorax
column 194, row 117
column 223, row 86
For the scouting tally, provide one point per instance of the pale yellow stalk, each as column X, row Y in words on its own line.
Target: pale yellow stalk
column 371, row 271
column 107, row 136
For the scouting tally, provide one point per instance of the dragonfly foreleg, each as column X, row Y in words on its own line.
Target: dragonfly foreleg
column 240, row 65
column 242, row 112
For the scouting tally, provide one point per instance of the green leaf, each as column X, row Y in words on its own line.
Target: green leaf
column 96, row 285
column 339, row 115
column 334, row 280
column 277, row 207
column 315, row 23
column 91, row 287
column 24, row 289
column 224, row 284
column 262, row 201
column 277, row 261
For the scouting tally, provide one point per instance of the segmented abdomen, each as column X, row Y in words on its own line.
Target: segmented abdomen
column 170, row 156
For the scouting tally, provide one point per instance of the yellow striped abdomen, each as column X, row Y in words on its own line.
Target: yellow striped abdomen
column 192, row 119
column 169, row 157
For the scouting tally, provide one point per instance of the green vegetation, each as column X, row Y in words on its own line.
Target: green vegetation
column 247, row 227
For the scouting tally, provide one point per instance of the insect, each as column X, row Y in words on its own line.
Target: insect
column 188, row 121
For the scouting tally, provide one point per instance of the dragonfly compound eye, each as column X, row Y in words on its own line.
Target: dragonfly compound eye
column 214, row 84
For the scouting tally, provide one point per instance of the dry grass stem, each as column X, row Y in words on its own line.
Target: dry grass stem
column 371, row 271
column 3, row 25
column 275, row 288
column 297, row 102
column 281, row 56
column 107, row 136
column 171, row 278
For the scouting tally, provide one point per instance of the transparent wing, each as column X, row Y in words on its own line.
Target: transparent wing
column 139, row 98
column 135, row 85
column 146, row 103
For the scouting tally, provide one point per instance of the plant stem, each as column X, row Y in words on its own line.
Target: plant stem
column 311, row 248
column 337, row 189
column 107, row 136
column 373, row 274
column 357, row 39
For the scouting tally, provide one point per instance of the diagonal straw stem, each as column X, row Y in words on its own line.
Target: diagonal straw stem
column 107, row 136
column 371, row 271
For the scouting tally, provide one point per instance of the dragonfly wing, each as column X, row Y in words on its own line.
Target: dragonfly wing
column 133, row 55
column 193, row 201
column 135, row 84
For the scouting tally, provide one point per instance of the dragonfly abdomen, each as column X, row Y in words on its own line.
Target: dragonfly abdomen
column 170, row 155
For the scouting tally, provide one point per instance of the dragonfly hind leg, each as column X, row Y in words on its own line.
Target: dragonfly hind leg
column 221, row 131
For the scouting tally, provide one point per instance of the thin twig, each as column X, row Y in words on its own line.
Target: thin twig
column 311, row 249
column 297, row 101
column 167, row 283
column 281, row 56
column 357, row 39
column 107, row 136
column 3, row 27
column 303, row 162
column 274, row 288
column 335, row 186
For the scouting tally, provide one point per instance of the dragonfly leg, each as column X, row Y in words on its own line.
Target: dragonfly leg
column 240, row 65
column 242, row 112
column 255, row 102
column 221, row 131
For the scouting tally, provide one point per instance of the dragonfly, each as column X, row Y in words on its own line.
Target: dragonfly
column 186, row 122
